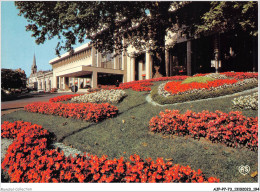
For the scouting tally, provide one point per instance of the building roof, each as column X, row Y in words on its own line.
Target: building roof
column 66, row 55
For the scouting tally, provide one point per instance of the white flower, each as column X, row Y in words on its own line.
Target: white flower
column 102, row 96
column 246, row 102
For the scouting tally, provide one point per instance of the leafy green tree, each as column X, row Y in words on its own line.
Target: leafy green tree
column 229, row 15
column 143, row 24
column 12, row 79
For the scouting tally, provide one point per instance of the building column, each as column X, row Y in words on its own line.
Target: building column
column 44, row 87
column 132, row 68
column 124, row 66
column 94, row 79
column 49, row 84
column 93, row 55
column 116, row 62
column 167, row 62
column 99, row 58
column 78, row 83
column 148, row 65
column 128, row 69
column 60, row 83
column 64, row 83
column 84, row 82
column 54, row 81
column 39, row 84
column 140, row 68
column 171, row 64
column 189, row 58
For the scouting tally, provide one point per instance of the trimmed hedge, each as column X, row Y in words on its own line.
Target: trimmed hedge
column 200, row 95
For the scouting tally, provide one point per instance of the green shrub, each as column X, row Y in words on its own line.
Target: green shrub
column 200, row 95
column 201, row 79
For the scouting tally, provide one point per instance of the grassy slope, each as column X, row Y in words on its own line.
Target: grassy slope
column 115, row 138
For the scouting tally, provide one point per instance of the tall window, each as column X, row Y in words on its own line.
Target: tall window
column 107, row 61
column 120, row 61
column 144, row 66
column 58, row 83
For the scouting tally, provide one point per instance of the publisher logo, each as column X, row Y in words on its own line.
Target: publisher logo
column 244, row 169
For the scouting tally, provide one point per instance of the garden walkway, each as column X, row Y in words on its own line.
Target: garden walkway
column 19, row 103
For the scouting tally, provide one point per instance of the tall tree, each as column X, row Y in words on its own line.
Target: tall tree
column 141, row 23
column 12, row 79
column 229, row 15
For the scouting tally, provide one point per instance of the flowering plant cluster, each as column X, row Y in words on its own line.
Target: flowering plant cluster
column 246, row 102
column 144, row 85
column 216, row 76
column 102, row 96
column 232, row 129
column 241, row 75
column 11, row 130
column 179, row 88
column 235, row 75
column 85, row 111
column 29, row 159
column 63, row 98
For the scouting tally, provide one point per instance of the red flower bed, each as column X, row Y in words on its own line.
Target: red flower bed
column 241, row 75
column 85, row 111
column 140, row 88
column 233, row 129
column 11, row 130
column 63, row 98
column 143, row 85
column 177, row 87
column 29, row 160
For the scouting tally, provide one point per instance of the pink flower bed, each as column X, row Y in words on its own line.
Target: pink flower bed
column 232, row 129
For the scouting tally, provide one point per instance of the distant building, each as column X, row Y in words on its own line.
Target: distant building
column 41, row 80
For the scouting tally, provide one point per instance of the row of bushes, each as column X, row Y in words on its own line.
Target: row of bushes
column 30, row 159
column 199, row 95
column 232, row 129
column 85, row 111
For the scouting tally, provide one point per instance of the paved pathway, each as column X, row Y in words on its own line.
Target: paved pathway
column 18, row 104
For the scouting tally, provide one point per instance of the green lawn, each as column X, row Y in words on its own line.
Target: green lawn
column 115, row 138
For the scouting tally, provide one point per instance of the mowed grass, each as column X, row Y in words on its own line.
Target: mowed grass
column 129, row 134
